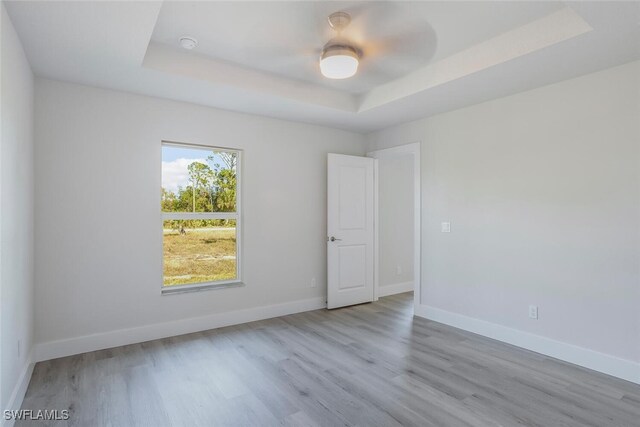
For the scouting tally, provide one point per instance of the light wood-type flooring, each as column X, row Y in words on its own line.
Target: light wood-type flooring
column 367, row 365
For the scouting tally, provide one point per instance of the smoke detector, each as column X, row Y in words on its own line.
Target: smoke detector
column 188, row 43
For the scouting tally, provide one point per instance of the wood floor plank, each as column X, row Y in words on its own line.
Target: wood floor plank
column 367, row 365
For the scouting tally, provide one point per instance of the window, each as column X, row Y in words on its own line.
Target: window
column 200, row 216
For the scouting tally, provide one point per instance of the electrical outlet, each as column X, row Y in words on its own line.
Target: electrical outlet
column 313, row 282
column 398, row 270
column 533, row 312
column 445, row 227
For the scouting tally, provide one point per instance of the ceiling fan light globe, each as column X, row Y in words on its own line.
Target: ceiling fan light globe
column 339, row 63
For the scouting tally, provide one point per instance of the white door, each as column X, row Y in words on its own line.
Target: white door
column 350, row 230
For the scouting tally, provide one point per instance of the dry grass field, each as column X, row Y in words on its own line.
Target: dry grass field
column 199, row 255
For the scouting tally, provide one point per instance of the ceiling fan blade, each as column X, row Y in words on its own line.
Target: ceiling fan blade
column 419, row 42
column 381, row 30
column 276, row 58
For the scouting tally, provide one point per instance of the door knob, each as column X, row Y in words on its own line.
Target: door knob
column 333, row 239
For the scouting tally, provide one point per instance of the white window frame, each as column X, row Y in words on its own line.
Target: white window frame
column 237, row 216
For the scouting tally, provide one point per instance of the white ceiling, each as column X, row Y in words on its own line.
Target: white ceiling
column 420, row 58
column 286, row 38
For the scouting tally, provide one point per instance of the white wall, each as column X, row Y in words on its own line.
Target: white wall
column 395, row 191
column 16, row 217
column 98, row 155
column 542, row 190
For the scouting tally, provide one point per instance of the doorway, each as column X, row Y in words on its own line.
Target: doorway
column 397, row 240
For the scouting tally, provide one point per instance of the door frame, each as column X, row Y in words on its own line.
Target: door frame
column 414, row 150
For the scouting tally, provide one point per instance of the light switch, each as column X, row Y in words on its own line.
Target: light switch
column 445, row 227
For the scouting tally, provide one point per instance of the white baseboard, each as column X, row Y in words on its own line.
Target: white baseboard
column 17, row 396
column 67, row 347
column 396, row 288
column 581, row 356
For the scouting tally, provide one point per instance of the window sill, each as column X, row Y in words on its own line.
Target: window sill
column 172, row 290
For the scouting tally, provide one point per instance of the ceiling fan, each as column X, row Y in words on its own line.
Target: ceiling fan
column 339, row 58
column 380, row 40
column 383, row 38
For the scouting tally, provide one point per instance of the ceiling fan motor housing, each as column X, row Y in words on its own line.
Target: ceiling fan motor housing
column 339, row 47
